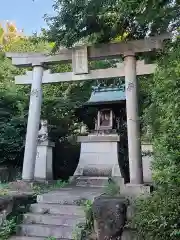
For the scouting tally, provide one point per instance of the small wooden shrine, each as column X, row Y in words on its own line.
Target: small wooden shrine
column 109, row 103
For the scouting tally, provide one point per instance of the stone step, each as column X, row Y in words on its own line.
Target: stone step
column 84, row 181
column 61, row 199
column 38, row 230
column 57, row 209
column 32, row 238
column 65, row 197
column 56, row 220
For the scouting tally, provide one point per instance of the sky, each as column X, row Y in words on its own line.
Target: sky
column 26, row 14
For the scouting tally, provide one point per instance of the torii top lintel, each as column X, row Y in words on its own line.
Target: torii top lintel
column 94, row 52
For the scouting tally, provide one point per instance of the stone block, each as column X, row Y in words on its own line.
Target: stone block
column 129, row 234
column 43, row 167
column 136, row 190
column 84, row 181
column 110, row 217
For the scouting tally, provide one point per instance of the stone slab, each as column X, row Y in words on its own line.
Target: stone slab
column 91, row 181
column 56, row 209
column 93, row 138
column 45, row 231
column 56, row 220
column 69, row 197
column 47, row 143
column 80, row 60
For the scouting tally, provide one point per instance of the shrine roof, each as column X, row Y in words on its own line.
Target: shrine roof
column 103, row 95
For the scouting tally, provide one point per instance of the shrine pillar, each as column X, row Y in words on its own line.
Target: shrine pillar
column 33, row 123
column 133, row 121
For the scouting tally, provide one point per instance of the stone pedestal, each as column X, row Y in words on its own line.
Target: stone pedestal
column 99, row 156
column 43, row 166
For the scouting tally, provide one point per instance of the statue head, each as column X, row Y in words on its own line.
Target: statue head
column 44, row 123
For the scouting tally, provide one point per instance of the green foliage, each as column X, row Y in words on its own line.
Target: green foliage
column 40, row 188
column 157, row 217
column 112, row 189
column 89, row 215
column 104, row 21
column 12, row 129
column 83, row 231
column 163, row 117
column 8, row 228
column 12, row 114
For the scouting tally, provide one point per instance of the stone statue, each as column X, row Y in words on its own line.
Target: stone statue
column 43, row 132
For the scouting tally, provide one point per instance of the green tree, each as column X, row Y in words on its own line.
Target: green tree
column 14, row 100
column 103, row 21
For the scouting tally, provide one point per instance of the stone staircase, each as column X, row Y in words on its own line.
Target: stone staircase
column 57, row 213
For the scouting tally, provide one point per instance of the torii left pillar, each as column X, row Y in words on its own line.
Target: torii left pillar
column 33, row 123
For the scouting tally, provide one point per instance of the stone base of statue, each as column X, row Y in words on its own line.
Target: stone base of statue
column 98, row 159
column 44, row 166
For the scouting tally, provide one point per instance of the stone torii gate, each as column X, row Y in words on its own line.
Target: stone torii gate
column 79, row 57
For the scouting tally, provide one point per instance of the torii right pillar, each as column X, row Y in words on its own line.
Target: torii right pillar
column 133, row 120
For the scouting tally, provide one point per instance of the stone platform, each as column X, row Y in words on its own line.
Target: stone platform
column 99, row 156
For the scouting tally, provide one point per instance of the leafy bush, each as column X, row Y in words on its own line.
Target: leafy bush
column 12, row 124
column 112, row 189
column 8, row 228
column 164, row 117
column 157, row 217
